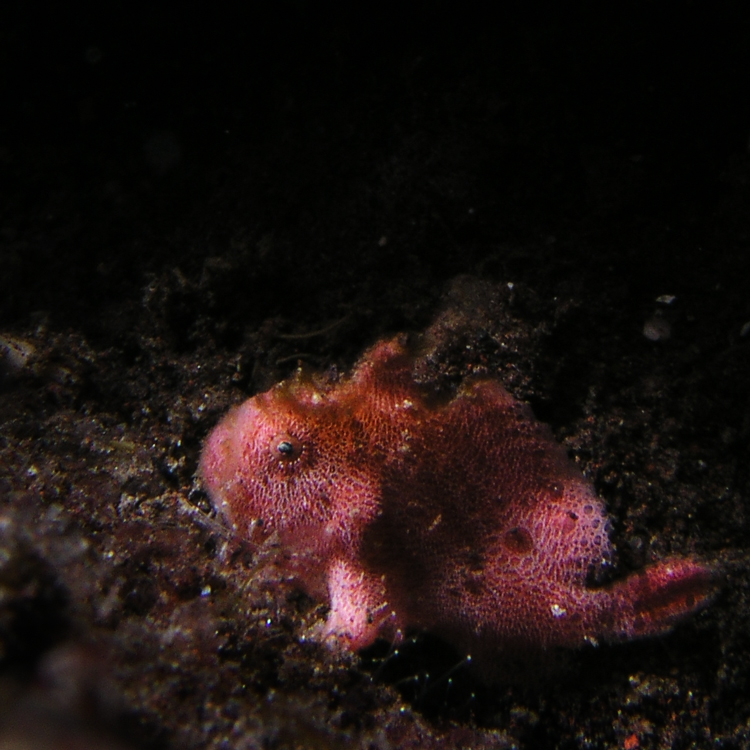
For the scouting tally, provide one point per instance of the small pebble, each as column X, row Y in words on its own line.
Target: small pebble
column 657, row 329
column 15, row 356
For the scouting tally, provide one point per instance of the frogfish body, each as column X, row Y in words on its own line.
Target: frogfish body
column 462, row 517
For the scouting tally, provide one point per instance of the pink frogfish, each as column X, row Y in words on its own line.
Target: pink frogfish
column 404, row 510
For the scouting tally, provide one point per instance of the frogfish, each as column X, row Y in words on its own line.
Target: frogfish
column 404, row 510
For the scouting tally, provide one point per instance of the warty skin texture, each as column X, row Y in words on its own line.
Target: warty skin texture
column 462, row 517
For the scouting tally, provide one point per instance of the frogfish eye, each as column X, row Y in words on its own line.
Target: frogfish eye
column 286, row 447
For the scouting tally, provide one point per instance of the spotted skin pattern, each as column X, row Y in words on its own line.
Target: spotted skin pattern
column 462, row 517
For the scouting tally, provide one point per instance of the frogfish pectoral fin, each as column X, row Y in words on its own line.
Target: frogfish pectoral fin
column 359, row 612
